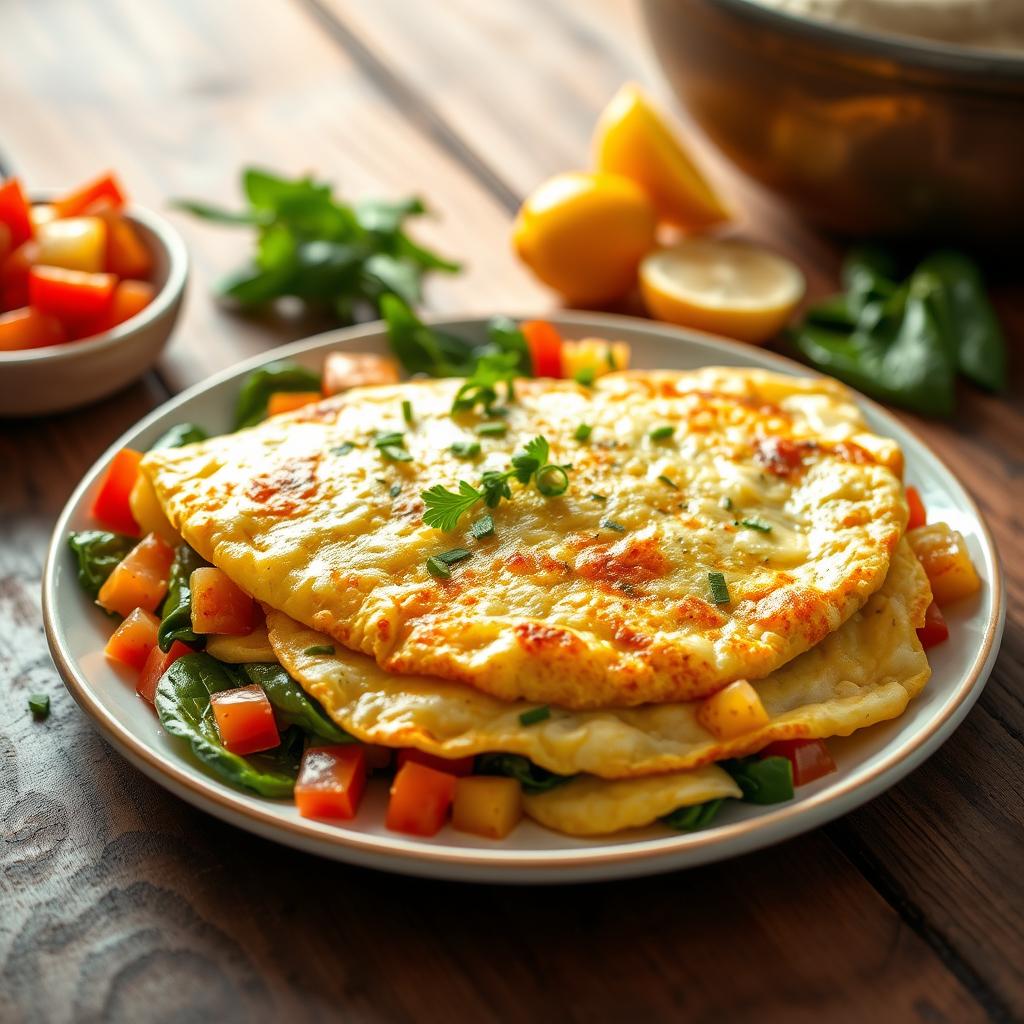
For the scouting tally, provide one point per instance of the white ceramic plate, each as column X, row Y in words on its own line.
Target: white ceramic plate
column 869, row 762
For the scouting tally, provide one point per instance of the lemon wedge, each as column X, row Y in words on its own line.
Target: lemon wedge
column 633, row 139
column 724, row 286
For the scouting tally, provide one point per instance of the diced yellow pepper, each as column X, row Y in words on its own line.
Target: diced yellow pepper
column 147, row 511
column 74, row 243
column 593, row 356
column 732, row 712
column 487, row 805
column 943, row 555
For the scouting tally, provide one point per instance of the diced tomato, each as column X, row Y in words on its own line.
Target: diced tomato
column 111, row 504
column 15, row 211
column 420, row 798
column 102, row 193
column 130, row 298
column 344, row 370
column 331, row 781
column 127, row 254
column 156, row 665
column 14, row 275
column 918, row 515
column 72, row 296
column 245, row 719
column 378, row 759
column 288, row 401
column 134, row 640
column 139, row 580
column 218, row 606
column 810, row 758
column 75, row 243
column 457, row 766
column 934, row 630
column 28, row 328
column 6, row 245
column 545, row 345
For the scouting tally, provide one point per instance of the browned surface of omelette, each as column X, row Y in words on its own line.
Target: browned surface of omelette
column 594, row 598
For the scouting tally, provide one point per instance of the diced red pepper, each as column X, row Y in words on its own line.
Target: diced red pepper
column 133, row 641
column 331, row 781
column 73, row 296
column 457, row 766
column 245, row 719
column 420, row 798
column 6, row 243
column 110, row 506
column 15, row 211
column 14, row 275
column 102, row 193
column 934, row 630
column 918, row 515
column 28, row 328
column 139, row 580
column 810, row 758
column 127, row 254
column 156, row 665
column 378, row 759
column 218, row 605
column 130, row 298
column 545, row 345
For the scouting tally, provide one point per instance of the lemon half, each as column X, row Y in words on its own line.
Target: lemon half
column 725, row 286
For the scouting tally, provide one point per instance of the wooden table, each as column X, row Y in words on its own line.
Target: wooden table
column 119, row 902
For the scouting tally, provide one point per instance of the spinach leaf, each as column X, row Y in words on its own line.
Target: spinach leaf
column 179, row 435
column 97, row 552
column 422, row 349
column 292, row 705
column 868, row 274
column 504, row 336
column 764, row 780
column 694, row 817
column 972, row 322
column 251, row 407
column 531, row 777
column 176, row 613
column 183, row 704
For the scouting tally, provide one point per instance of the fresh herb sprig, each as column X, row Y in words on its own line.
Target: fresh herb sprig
column 444, row 508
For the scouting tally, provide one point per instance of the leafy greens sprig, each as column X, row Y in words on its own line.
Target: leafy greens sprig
column 444, row 508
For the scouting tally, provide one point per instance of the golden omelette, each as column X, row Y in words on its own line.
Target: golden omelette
column 599, row 597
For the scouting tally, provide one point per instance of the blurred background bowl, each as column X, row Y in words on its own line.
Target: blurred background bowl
column 862, row 134
column 46, row 380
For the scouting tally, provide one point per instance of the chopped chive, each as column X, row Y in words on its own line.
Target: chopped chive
column 466, row 449
column 492, row 429
column 320, row 649
column 39, row 704
column 438, row 569
column 726, row 503
column 407, row 410
column 719, row 588
column 395, row 438
column 583, row 432
column 454, row 555
column 343, row 449
column 599, row 498
column 669, row 482
column 552, row 481
column 610, row 524
column 395, row 490
column 482, row 527
column 585, row 376
column 757, row 524
column 609, row 358
column 662, row 433
column 395, row 454
column 535, row 715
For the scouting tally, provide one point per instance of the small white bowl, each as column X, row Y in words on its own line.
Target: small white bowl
column 58, row 377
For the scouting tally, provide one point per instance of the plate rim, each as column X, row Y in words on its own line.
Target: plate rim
column 616, row 859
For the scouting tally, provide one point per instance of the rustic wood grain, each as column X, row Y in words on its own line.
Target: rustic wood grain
column 118, row 902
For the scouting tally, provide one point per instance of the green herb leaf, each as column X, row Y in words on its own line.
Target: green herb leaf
column 726, row 503
column 438, row 568
column 407, row 410
column 39, row 705
column 98, row 553
column 176, row 613
column 756, row 524
column 444, row 508
column 669, row 482
column 393, row 453
column 610, row 524
column 455, row 555
column 179, row 435
column 394, row 490
column 492, row 429
column 535, row 715
column 343, row 449
column 482, row 527
column 531, row 777
column 764, row 780
column 292, row 706
column 694, row 817
column 719, row 588
column 583, row 432
column 319, row 649
column 251, row 407
column 466, row 449
column 585, row 375
column 662, row 433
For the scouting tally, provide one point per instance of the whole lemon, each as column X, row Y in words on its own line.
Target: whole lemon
column 585, row 234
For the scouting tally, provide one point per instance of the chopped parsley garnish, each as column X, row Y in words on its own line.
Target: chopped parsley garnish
column 662, row 433
column 445, row 508
column 726, row 503
column 599, row 498
column 669, row 482
column 395, row 490
column 455, row 555
column 466, row 449
column 407, row 410
column 320, row 649
column 438, row 569
column 535, row 715
column 343, row 449
column 757, row 524
column 482, row 527
column 39, row 705
column 492, row 429
column 392, row 447
column 719, row 588
column 610, row 524
column 585, row 375
column 480, row 387
column 583, row 432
